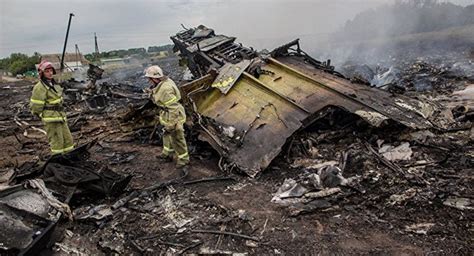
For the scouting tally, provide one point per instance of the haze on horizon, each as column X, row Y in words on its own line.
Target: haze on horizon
column 29, row 26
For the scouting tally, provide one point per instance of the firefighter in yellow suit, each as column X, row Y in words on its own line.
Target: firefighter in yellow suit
column 47, row 103
column 166, row 95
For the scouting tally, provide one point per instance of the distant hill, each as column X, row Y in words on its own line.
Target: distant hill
column 407, row 28
column 453, row 37
column 405, row 17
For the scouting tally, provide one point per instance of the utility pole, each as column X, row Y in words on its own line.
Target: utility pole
column 77, row 55
column 96, row 48
column 65, row 41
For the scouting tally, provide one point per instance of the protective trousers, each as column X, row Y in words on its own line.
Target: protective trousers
column 59, row 137
column 175, row 142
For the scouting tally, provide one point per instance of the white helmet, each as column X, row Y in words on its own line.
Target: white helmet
column 154, row 72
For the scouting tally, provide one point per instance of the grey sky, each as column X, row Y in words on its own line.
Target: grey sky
column 40, row 25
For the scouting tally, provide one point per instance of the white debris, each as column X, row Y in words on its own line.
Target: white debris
column 323, row 193
column 460, row 203
column 290, row 188
column 209, row 251
column 391, row 153
column 187, row 76
column 229, row 131
column 389, row 77
column 172, row 213
column 423, row 109
column 52, row 200
column 400, row 198
column 97, row 213
column 315, row 181
column 289, row 192
column 374, row 118
column 312, row 163
column 419, row 228
column 250, row 243
column 467, row 93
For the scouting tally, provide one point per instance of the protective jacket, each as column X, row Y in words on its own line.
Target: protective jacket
column 47, row 103
column 167, row 96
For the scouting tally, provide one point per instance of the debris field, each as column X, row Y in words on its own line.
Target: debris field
column 289, row 155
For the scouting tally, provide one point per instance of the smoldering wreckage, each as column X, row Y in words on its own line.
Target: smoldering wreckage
column 342, row 159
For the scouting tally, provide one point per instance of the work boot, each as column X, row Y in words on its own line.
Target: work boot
column 165, row 158
column 183, row 168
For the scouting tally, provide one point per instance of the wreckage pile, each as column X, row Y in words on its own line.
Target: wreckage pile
column 349, row 168
column 432, row 74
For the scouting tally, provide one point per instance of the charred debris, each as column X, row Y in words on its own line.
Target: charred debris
column 354, row 145
column 249, row 105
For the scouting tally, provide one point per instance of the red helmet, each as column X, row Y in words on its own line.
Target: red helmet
column 45, row 65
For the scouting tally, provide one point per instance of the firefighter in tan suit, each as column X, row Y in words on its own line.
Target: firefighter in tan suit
column 47, row 103
column 166, row 95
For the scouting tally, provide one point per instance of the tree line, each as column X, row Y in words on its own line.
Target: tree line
column 20, row 63
column 138, row 52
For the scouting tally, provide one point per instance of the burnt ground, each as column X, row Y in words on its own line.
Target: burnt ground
column 389, row 210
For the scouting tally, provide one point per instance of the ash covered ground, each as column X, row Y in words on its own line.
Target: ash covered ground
column 339, row 187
